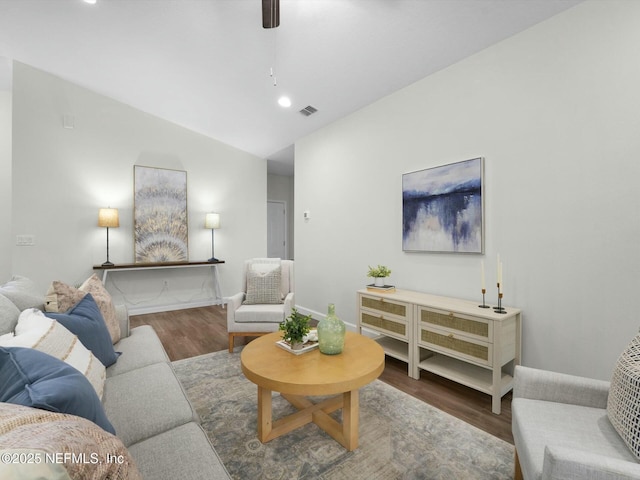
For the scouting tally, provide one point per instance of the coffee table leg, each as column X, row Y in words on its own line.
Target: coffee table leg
column 350, row 415
column 265, row 423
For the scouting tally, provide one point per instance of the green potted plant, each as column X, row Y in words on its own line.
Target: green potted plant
column 295, row 328
column 379, row 274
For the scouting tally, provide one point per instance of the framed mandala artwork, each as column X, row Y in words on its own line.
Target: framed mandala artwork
column 160, row 215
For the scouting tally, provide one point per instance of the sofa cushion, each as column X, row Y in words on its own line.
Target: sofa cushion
column 85, row 321
column 145, row 402
column 623, row 404
column 62, row 297
column 141, row 348
column 171, row 454
column 35, row 379
column 23, row 293
column 9, row 314
column 34, row 330
column 98, row 454
column 538, row 423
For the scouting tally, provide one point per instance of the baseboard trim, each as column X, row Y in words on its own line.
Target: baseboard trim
column 140, row 310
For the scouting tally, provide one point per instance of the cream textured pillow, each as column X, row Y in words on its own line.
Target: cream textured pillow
column 58, row 433
column 94, row 286
column 35, row 330
column 623, row 404
column 263, row 287
column 62, row 297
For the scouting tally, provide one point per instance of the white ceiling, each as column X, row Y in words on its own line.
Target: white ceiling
column 205, row 64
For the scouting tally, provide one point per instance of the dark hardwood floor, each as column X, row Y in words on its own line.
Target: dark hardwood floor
column 191, row 332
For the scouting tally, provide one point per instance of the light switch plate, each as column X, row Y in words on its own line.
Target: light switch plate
column 25, row 240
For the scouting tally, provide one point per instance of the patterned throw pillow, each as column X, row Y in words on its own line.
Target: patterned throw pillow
column 623, row 404
column 263, row 287
column 62, row 297
column 104, row 456
column 34, row 330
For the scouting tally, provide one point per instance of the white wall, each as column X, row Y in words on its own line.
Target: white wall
column 554, row 110
column 61, row 177
column 280, row 188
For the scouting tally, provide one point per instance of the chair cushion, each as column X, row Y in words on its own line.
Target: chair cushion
column 85, row 321
column 34, row 330
column 260, row 314
column 263, row 287
column 35, row 379
column 623, row 404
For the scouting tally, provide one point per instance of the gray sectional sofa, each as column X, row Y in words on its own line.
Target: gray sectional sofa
column 148, row 407
column 150, row 411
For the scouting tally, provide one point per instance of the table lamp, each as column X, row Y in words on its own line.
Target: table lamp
column 108, row 218
column 212, row 221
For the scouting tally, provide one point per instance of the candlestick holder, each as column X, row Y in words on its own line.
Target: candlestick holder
column 483, row 304
column 499, row 308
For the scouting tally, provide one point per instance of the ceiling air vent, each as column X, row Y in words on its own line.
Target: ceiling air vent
column 308, row 110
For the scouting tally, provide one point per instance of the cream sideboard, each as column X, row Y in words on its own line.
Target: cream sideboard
column 450, row 337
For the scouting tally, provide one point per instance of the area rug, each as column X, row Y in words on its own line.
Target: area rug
column 401, row 437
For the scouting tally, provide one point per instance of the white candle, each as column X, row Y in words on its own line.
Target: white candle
column 501, row 279
column 498, row 270
column 482, row 275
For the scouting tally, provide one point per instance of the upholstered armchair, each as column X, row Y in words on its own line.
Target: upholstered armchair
column 267, row 298
column 569, row 427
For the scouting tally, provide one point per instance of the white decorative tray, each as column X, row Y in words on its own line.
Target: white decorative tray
column 307, row 347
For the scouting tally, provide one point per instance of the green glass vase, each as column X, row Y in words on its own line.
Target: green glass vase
column 331, row 331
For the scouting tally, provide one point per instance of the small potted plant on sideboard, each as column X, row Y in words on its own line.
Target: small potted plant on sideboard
column 379, row 274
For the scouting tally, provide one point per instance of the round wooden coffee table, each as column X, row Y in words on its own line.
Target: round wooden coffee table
column 312, row 374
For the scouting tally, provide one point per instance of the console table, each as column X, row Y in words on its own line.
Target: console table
column 130, row 267
column 450, row 337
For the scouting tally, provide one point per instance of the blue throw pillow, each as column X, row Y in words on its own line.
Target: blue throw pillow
column 35, row 379
column 85, row 320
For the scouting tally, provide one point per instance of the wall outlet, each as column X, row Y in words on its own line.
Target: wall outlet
column 25, row 240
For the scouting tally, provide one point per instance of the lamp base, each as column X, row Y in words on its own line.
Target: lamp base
column 213, row 259
column 108, row 264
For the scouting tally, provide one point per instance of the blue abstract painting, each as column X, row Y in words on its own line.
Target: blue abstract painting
column 442, row 208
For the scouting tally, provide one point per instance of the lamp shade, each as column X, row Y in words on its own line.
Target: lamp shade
column 108, row 217
column 212, row 220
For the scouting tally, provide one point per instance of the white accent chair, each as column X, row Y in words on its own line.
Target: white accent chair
column 561, row 429
column 256, row 320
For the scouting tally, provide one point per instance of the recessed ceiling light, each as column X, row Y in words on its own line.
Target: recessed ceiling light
column 92, row 2
column 284, row 102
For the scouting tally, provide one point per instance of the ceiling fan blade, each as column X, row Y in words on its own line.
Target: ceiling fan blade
column 270, row 13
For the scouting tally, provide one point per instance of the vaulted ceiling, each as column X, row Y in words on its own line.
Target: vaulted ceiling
column 208, row 65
